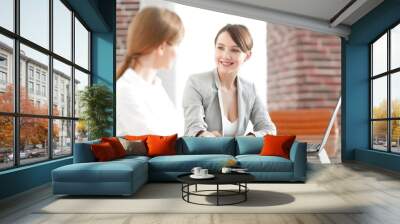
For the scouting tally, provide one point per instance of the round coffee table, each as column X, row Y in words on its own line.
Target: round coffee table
column 238, row 179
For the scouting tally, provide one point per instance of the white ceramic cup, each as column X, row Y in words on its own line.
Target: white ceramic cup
column 203, row 172
column 196, row 170
column 226, row 170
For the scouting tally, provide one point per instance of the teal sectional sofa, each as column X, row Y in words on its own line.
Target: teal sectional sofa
column 125, row 176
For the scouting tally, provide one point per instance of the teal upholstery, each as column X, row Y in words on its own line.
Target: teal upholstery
column 203, row 145
column 83, row 152
column 119, row 177
column 125, row 176
column 298, row 155
column 249, row 145
column 184, row 163
column 257, row 163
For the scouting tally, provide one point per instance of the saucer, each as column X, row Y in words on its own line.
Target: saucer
column 208, row 176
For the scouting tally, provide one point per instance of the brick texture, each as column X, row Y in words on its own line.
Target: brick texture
column 304, row 74
column 303, row 68
column 126, row 10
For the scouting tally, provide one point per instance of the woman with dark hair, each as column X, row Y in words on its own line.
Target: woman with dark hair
column 143, row 106
column 221, row 103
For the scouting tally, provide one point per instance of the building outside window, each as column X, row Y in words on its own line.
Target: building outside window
column 30, row 72
column 43, row 90
column 3, row 78
column 44, row 77
column 30, row 87
column 385, row 95
column 37, row 75
column 3, row 72
column 38, row 89
column 34, row 76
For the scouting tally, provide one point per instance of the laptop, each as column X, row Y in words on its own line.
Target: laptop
column 319, row 147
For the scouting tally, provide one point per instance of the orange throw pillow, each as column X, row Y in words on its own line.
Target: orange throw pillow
column 277, row 145
column 103, row 152
column 161, row 145
column 116, row 145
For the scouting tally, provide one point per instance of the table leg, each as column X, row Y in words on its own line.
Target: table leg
column 245, row 193
column 217, row 194
column 196, row 188
column 182, row 188
column 188, row 190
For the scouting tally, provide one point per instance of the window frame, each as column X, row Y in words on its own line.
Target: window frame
column 388, row 74
column 16, row 115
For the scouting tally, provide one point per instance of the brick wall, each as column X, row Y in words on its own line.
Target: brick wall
column 304, row 68
column 304, row 83
column 126, row 9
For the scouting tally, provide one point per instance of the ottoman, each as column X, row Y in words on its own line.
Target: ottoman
column 118, row 177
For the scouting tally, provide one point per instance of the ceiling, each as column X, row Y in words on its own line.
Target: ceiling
column 325, row 16
column 319, row 9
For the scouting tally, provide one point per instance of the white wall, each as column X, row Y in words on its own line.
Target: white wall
column 196, row 51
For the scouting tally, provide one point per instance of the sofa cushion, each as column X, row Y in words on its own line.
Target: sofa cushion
column 203, row 145
column 134, row 147
column 116, row 145
column 131, row 158
column 277, row 145
column 161, row 145
column 257, row 163
column 248, row 145
column 103, row 152
column 185, row 163
column 112, row 171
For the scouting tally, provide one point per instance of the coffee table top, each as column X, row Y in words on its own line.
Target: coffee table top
column 220, row 178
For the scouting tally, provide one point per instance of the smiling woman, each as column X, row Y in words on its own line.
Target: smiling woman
column 221, row 103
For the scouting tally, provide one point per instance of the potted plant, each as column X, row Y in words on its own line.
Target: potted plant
column 96, row 102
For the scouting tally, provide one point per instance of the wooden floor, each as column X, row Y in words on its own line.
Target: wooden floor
column 379, row 189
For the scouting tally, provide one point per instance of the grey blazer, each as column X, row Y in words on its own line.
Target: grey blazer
column 202, row 110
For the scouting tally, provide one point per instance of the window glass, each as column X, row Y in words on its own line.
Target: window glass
column 34, row 21
column 33, row 140
column 81, row 131
column 6, row 142
column 39, row 62
column 81, row 45
column 62, row 29
column 81, row 82
column 379, row 135
column 7, row 14
column 379, row 100
column 395, row 136
column 395, row 95
column 6, row 74
column 62, row 138
column 395, row 47
column 34, row 81
column 62, row 91
column 379, row 56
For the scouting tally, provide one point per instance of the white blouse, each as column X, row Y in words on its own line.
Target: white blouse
column 144, row 108
column 229, row 128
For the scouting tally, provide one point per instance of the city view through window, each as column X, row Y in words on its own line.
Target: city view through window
column 39, row 114
column 385, row 80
